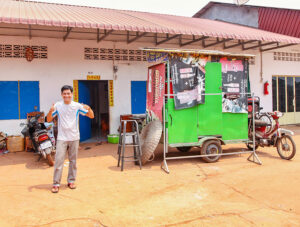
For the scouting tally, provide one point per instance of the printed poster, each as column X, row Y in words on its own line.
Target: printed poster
column 234, row 86
column 188, row 81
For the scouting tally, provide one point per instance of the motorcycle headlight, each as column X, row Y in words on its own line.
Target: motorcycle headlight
column 279, row 114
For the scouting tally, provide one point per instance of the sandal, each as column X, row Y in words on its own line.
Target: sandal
column 71, row 185
column 55, row 189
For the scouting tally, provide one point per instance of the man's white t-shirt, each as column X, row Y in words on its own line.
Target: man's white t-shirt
column 68, row 115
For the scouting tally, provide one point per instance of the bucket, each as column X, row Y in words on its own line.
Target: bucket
column 113, row 138
column 15, row 143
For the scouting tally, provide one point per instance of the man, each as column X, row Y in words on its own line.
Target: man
column 67, row 112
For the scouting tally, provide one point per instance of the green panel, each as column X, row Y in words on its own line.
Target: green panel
column 235, row 126
column 182, row 124
column 210, row 113
column 186, row 125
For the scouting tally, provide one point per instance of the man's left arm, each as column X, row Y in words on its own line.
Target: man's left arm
column 90, row 112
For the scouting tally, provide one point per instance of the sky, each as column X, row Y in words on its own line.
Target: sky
column 183, row 8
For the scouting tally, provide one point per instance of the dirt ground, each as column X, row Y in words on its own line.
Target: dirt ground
column 231, row 192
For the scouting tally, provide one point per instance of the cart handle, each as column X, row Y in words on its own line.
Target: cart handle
column 171, row 119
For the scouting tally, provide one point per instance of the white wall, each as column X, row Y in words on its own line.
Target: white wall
column 66, row 63
column 269, row 69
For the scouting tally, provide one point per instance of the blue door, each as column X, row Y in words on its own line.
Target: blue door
column 85, row 124
column 9, row 100
column 29, row 97
column 138, row 97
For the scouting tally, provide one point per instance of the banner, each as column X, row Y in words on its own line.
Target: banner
column 75, row 90
column 188, row 81
column 234, row 85
column 156, row 90
column 111, row 92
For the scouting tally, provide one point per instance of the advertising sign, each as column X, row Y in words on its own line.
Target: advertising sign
column 234, row 85
column 156, row 90
column 188, row 81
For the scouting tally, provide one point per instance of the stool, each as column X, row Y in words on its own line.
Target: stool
column 135, row 144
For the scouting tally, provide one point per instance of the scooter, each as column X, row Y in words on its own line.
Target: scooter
column 268, row 134
column 43, row 143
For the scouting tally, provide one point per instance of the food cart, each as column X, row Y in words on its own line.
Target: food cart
column 201, row 100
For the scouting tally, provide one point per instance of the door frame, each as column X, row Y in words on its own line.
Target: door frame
column 109, row 94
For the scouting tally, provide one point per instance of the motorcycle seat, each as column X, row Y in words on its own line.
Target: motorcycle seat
column 261, row 123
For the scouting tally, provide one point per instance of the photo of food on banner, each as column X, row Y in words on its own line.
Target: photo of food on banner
column 188, row 80
column 234, row 85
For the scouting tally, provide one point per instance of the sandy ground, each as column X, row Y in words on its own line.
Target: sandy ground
column 231, row 192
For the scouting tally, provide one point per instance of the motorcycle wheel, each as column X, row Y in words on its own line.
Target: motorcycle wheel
column 211, row 147
column 184, row 149
column 286, row 147
column 250, row 146
column 50, row 159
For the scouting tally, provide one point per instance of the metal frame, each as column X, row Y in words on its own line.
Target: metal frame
column 69, row 29
column 238, row 44
column 100, row 36
column 259, row 45
column 253, row 156
column 166, row 39
column 137, row 36
column 181, row 44
column 218, row 41
column 106, row 33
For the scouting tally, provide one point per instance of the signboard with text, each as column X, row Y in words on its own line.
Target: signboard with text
column 156, row 90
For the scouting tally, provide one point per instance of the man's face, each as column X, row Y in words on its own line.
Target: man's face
column 67, row 96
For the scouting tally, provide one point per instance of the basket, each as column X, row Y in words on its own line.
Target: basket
column 15, row 143
column 113, row 138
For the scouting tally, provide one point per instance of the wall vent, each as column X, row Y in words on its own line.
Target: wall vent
column 108, row 54
column 18, row 51
column 285, row 56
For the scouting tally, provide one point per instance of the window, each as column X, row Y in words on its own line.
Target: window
column 274, row 91
column 281, row 94
column 297, row 93
column 290, row 93
column 18, row 98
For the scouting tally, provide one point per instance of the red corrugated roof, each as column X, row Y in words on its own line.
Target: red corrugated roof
column 283, row 21
column 20, row 12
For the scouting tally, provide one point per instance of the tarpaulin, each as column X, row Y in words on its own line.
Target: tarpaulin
column 188, row 82
column 156, row 90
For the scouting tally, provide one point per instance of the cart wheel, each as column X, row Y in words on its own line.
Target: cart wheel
column 184, row 149
column 211, row 147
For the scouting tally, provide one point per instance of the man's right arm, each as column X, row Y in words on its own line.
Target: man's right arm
column 50, row 113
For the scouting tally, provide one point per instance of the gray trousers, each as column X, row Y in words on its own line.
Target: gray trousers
column 61, row 149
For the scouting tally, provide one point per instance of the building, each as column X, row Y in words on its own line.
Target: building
column 280, row 68
column 101, row 52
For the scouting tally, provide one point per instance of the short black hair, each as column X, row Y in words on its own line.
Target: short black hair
column 66, row 87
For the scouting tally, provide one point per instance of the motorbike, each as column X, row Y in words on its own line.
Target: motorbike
column 43, row 142
column 268, row 134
